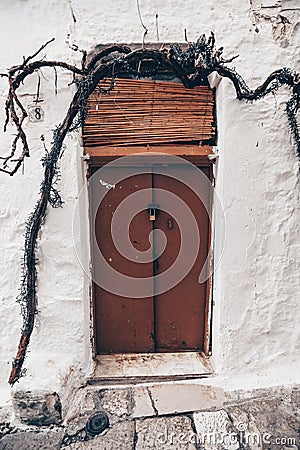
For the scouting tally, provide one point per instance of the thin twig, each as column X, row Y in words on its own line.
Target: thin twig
column 38, row 88
column 55, row 80
column 156, row 23
column 72, row 11
column 26, row 60
column 142, row 23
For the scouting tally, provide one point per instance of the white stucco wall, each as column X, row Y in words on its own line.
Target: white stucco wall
column 255, row 327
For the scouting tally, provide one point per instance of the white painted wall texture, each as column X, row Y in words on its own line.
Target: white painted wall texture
column 256, row 292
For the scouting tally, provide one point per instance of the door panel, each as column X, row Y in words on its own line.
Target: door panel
column 180, row 311
column 124, row 324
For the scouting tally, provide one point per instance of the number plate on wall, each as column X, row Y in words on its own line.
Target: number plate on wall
column 36, row 113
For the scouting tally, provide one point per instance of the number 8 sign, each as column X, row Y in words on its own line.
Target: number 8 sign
column 36, row 113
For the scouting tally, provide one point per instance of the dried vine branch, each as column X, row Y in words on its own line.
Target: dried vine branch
column 192, row 65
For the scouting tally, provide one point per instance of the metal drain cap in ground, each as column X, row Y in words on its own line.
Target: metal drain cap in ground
column 97, row 423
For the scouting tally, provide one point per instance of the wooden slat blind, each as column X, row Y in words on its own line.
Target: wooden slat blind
column 139, row 112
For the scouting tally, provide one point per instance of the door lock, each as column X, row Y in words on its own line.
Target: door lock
column 152, row 214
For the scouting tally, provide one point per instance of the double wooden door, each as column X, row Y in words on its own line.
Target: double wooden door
column 170, row 317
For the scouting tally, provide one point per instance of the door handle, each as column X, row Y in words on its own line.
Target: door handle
column 170, row 224
column 152, row 214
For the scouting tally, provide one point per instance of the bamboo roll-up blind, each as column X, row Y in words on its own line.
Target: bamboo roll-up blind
column 139, row 112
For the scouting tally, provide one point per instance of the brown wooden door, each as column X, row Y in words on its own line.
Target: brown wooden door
column 164, row 321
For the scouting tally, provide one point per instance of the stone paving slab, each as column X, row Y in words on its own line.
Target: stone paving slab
column 32, row 440
column 213, row 430
column 168, row 433
column 39, row 408
column 180, row 398
column 265, row 423
column 273, row 422
column 142, row 403
column 118, row 437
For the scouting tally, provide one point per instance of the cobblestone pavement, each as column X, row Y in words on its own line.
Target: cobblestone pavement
column 140, row 418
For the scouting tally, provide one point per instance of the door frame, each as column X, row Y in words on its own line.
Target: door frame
column 198, row 156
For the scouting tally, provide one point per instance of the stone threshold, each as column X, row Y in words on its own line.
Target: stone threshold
column 132, row 368
column 140, row 380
